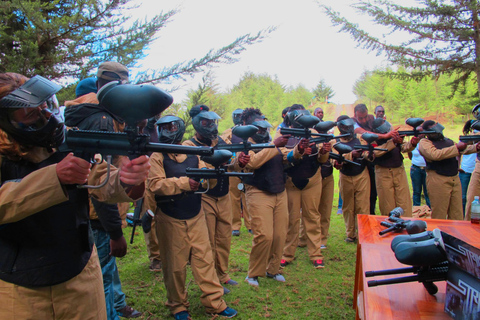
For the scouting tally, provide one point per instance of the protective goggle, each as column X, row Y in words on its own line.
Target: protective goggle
column 171, row 126
column 476, row 112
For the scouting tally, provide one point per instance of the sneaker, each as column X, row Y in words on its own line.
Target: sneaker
column 340, row 211
column 236, row 233
column 252, row 281
column 182, row 315
column 227, row 313
column 323, row 247
column 284, row 263
column 226, row 291
column 155, row 265
column 318, row 264
column 350, row 240
column 128, row 312
column 277, row 277
column 231, row 282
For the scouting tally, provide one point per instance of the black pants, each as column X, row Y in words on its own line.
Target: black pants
column 373, row 187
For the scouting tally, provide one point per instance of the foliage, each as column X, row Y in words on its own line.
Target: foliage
column 323, row 92
column 443, row 37
column 65, row 39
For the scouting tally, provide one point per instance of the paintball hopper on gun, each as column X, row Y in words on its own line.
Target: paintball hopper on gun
column 244, row 132
column 120, row 100
column 342, row 148
column 415, row 123
column 325, row 126
column 425, row 252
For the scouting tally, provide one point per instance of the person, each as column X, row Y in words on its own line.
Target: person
column 54, row 273
column 392, row 183
column 106, row 219
column 467, row 166
column 318, row 112
column 474, row 185
column 237, row 196
column 284, row 123
column 216, row 201
column 418, row 175
column 444, row 186
column 380, row 112
column 181, row 226
column 266, row 200
column 354, row 180
column 304, row 186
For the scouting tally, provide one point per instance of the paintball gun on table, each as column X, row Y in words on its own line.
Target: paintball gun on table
column 425, row 252
column 342, row 148
column 415, row 123
column 369, row 138
column 244, row 132
column 218, row 158
column 397, row 224
column 132, row 103
column 472, row 138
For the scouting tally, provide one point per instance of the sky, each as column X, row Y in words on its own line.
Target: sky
column 304, row 49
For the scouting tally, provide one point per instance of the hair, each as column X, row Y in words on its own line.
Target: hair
column 360, row 108
column 316, row 109
column 197, row 109
column 427, row 124
column 296, row 107
column 285, row 111
column 377, row 108
column 249, row 115
column 467, row 127
column 342, row 117
column 8, row 146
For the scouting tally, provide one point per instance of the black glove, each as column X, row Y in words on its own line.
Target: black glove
column 147, row 221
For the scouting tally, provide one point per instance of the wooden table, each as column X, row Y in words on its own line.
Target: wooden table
column 398, row 301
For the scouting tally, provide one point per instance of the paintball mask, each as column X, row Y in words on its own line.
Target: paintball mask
column 381, row 125
column 170, row 129
column 237, row 117
column 294, row 115
column 476, row 111
column 262, row 135
column 438, row 135
column 346, row 126
column 206, row 124
column 21, row 117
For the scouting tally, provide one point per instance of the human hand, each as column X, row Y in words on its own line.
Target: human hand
column 243, row 159
column 134, row 172
column 73, row 170
column 194, row 185
column 281, row 141
column 118, row 248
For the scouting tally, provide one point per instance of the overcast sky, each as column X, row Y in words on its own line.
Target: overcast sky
column 304, row 49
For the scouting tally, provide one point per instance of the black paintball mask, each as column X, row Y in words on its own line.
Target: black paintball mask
column 22, row 119
column 263, row 134
column 438, row 128
column 476, row 111
column 294, row 115
column 237, row 117
column 346, row 126
column 382, row 126
column 170, row 129
column 206, row 124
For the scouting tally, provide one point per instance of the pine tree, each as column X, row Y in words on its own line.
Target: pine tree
column 444, row 36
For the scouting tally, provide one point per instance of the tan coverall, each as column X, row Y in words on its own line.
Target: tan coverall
column 268, row 218
column 303, row 203
column 151, row 239
column 182, row 241
column 218, row 213
column 237, row 196
column 392, row 183
column 355, row 191
column 473, row 189
column 81, row 297
column 445, row 192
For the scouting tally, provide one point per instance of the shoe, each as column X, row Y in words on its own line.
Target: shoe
column 323, row 247
column 318, row 264
column 284, row 263
column 250, row 231
column 350, row 240
column 155, row 265
column 226, row 291
column 182, row 315
column 340, row 211
column 236, row 233
column 129, row 312
column 277, row 277
column 252, row 281
column 227, row 313
column 231, row 282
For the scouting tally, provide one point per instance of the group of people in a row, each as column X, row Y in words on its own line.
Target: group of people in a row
column 53, row 265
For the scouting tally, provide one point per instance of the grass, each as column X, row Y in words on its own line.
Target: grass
column 307, row 294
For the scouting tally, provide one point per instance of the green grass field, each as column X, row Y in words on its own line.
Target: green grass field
column 307, row 294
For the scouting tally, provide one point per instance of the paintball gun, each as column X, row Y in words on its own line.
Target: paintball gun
column 218, row 158
column 397, row 224
column 472, row 138
column 425, row 252
column 244, row 132
column 121, row 99
column 322, row 129
column 342, row 148
column 415, row 123
column 369, row 138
